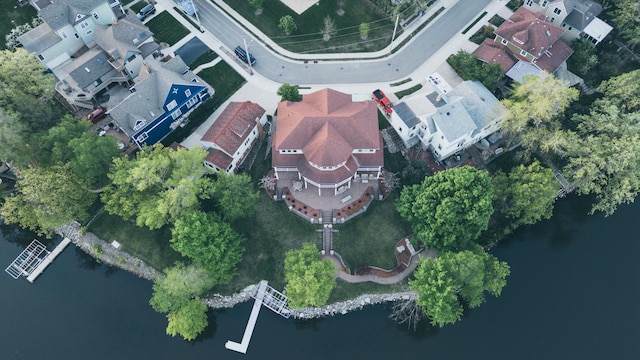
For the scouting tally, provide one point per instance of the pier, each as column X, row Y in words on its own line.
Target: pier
column 34, row 259
column 273, row 300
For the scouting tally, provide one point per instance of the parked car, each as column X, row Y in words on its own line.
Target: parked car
column 96, row 115
column 382, row 100
column 146, row 11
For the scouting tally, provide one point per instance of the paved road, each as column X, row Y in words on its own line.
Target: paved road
column 399, row 65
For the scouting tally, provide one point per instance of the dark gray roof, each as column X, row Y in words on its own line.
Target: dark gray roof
column 39, row 39
column 583, row 13
column 406, row 114
column 123, row 37
column 62, row 12
column 89, row 67
column 149, row 48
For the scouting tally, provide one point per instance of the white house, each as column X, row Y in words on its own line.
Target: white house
column 232, row 135
column 448, row 123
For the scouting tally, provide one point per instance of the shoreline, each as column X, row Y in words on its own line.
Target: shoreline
column 105, row 253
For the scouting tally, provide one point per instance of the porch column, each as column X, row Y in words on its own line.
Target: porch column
column 319, row 191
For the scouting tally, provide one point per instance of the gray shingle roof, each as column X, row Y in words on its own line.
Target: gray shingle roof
column 123, row 37
column 63, row 12
column 406, row 115
column 39, row 39
column 89, row 67
column 583, row 13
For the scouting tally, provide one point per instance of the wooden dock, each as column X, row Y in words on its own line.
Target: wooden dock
column 48, row 260
column 248, row 331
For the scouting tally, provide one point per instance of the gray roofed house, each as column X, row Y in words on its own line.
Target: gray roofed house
column 583, row 13
column 453, row 121
column 406, row 115
column 89, row 68
column 62, row 12
column 39, row 39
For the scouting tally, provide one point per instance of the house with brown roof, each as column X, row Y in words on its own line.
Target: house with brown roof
column 533, row 42
column 232, row 135
column 327, row 140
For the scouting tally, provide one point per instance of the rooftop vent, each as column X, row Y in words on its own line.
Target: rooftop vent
column 87, row 69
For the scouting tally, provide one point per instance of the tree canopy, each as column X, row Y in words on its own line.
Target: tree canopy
column 209, row 242
column 158, row 186
column 189, row 320
column 526, row 194
column 235, row 195
column 309, row 279
column 625, row 14
column 442, row 283
column 470, row 68
column 289, row 92
column 449, row 209
column 287, row 24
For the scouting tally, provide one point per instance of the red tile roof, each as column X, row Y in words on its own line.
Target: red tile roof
column 218, row 158
column 529, row 31
column 233, row 125
column 494, row 53
column 554, row 57
column 327, row 126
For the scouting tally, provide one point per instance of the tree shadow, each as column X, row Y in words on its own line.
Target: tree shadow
column 210, row 331
column 86, row 261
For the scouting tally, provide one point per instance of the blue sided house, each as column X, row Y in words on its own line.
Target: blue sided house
column 163, row 95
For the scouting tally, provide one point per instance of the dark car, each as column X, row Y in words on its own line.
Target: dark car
column 146, row 11
column 96, row 115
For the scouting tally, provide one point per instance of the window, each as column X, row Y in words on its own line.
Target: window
column 40, row 57
column 131, row 58
column 557, row 11
column 529, row 2
column 171, row 105
column 570, row 28
column 96, row 16
column 140, row 123
column 142, row 137
column 76, row 35
column 187, row 93
column 440, row 146
column 192, row 102
column 552, row 19
column 504, row 41
column 523, row 53
column 176, row 114
column 89, row 32
column 84, row 24
column 544, row 3
column 63, row 34
column 400, row 129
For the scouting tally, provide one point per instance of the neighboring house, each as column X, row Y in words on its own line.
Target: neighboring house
column 577, row 17
column 68, row 26
column 118, row 52
column 163, row 94
column 231, row 136
column 448, row 123
column 533, row 43
column 327, row 140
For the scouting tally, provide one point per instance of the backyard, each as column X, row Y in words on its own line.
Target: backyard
column 18, row 15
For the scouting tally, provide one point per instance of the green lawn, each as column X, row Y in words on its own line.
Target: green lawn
column 347, row 291
column 308, row 38
column 207, row 57
column 13, row 15
column 409, row 91
column 370, row 238
column 166, row 28
column 151, row 246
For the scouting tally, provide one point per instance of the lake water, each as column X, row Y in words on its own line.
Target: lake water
column 574, row 293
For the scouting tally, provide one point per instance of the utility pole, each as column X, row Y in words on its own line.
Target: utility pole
column 195, row 12
column 246, row 49
column 395, row 27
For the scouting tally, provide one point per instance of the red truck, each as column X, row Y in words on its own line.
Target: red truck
column 382, row 100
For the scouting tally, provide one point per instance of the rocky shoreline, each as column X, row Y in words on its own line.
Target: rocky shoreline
column 106, row 253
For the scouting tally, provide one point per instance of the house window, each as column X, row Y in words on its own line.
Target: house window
column 192, row 102
column 76, row 35
column 176, row 114
column 523, row 53
column 131, row 58
column 440, row 146
column 40, row 57
column 64, row 34
column 142, row 137
column 570, row 28
column 140, row 123
column 544, row 3
column 400, row 129
column 171, row 105
column 552, row 19
column 84, row 24
column 557, row 11
column 89, row 32
column 96, row 16
column 187, row 93
column 529, row 2
column 504, row 41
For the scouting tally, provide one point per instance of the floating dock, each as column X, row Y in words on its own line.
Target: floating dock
column 48, row 260
column 34, row 259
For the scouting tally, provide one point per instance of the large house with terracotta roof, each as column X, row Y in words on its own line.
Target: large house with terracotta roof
column 232, row 135
column 327, row 140
column 526, row 44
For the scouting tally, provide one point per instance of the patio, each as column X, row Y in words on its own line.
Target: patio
column 327, row 200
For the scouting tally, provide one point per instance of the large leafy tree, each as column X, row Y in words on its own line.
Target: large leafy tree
column 178, row 294
column 605, row 161
column 289, row 92
column 158, row 186
column 449, row 209
column 534, row 109
column 625, row 17
column 235, row 195
column 47, row 198
column 526, row 194
column 209, row 242
column 442, row 283
column 470, row 68
column 93, row 156
column 309, row 279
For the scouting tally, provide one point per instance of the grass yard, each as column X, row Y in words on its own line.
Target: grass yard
column 207, row 57
column 152, row 246
column 347, row 291
column 308, row 37
column 370, row 238
column 409, row 91
column 496, row 20
column 166, row 28
column 12, row 16
column 138, row 6
column 383, row 123
column 225, row 81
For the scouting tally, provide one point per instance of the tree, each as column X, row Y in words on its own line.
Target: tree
column 415, row 172
column 47, row 198
column 177, row 294
column 533, row 110
column 289, row 92
column 257, row 5
column 188, row 321
column 209, row 242
column 364, row 31
column 309, row 279
column 442, row 283
column 287, row 24
column 93, row 156
column 470, row 68
column 625, row 14
column 526, row 194
column 158, row 186
column 13, row 146
column 235, row 195
column 11, row 39
column 329, row 28
column 449, row 209
column 584, row 57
